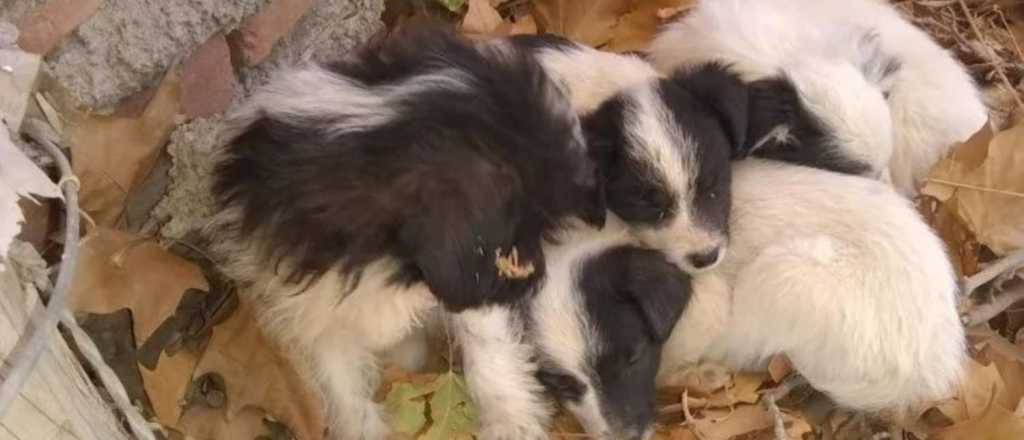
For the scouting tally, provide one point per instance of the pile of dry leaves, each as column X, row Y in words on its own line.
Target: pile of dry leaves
column 199, row 367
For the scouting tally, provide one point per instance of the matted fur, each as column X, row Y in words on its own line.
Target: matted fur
column 853, row 63
column 840, row 274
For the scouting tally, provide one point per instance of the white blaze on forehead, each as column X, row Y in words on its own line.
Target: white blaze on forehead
column 654, row 137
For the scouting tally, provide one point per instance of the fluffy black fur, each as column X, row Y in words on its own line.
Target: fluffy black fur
column 458, row 175
column 775, row 102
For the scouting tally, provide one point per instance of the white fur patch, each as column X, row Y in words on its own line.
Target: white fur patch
column 840, row 274
column 763, row 38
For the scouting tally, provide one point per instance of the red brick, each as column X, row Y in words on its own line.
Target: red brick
column 257, row 34
column 42, row 29
column 208, row 79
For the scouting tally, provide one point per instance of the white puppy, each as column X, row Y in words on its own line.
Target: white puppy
column 840, row 274
column 842, row 57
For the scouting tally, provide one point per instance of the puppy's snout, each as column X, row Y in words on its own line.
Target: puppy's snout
column 705, row 259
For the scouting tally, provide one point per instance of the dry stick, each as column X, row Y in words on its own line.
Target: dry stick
column 108, row 378
column 1001, row 302
column 1011, row 262
column 18, row 365
column 992, row 56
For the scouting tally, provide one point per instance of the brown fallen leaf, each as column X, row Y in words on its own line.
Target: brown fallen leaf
column 111, row 155
column 742, row 390
column 589, row 22
column 994, row 423
column 723, row 424
column 525, row 25
column 256, row 375
column 960, row 241
column 980, row 386
column 988, row 196
column 779, row 367
column 117, row 270
column 636, row 28
column 481, row 18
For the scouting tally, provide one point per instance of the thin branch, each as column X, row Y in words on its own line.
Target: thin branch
column 107, row 377
column 984, row 312
column 991, row 54
column 1008, row 263
column 20, row 362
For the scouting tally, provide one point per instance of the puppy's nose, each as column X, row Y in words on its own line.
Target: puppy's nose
column 701, row 260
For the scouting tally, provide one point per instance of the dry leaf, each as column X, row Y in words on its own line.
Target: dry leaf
column 207, row 423
column 981, row 384
column 959, row 240
column 589, row 22
column 636, row 28
column 743, row 390
column 111, row 155
column 481, row 18
column 116, row 270
column 525, row 25
column 257, row 375
column 988, row 197
column 19, row 177
column 725, row 424
column 779, row 367
column 995, row 423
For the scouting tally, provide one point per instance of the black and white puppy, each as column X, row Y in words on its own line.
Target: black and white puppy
column 356, row 196
column 852, row 64
column 666, row 142
column 599, row 324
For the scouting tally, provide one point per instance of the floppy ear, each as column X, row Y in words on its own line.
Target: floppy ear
column 467, row 218
column 725, row 94
column 659, row 288
column 774, row 105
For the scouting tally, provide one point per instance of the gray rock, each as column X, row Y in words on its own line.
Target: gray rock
column 328, row 31
column 188, row 203
column 127, row 45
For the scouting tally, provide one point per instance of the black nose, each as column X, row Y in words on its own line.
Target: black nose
column 704, row 259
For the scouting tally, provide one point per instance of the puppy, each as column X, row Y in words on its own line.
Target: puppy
column 599, row 324
column 840, row 274
column 359, row 195
column 665, row 142
column 851, row 64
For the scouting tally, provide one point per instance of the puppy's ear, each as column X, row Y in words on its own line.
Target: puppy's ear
column 725, row 94
column 456, row 234
column 659, row 288
column 774, row 109
column 602, row 130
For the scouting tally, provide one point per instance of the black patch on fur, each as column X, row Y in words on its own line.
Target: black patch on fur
column 775, row 102
column 723, row 92
column 458, row 176
column 633, row 297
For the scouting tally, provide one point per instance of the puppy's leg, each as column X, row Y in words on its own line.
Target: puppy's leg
column 500, row 375
column 347, row 374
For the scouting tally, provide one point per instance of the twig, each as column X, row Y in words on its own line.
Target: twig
column 773, row 409
column 1013, row 38
column 43, row 319
column 975, row 187
column 107, row 377
column 991, row 54
column 984, row 312
column 1011, row 262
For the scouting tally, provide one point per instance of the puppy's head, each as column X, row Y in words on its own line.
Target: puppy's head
column 666, row 148
column 600, row 342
